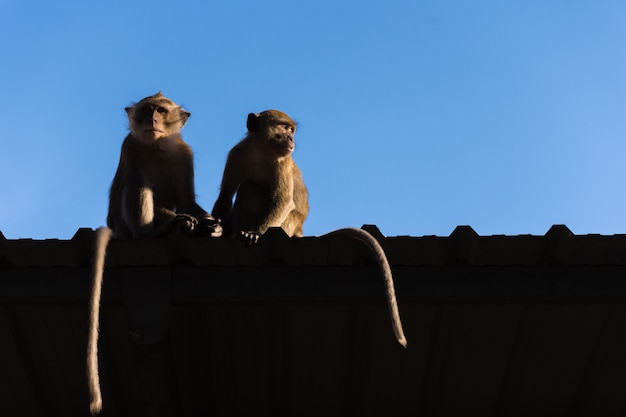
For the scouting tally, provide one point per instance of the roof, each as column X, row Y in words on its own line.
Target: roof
column 497, row 325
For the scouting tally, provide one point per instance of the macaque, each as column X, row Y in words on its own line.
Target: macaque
column 269, row 186
column 151, row 193
column 269, row 192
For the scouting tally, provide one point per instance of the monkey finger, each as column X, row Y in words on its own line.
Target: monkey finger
column 186, row 218
column 187, row 223
column 250, row 238
column 208, row 227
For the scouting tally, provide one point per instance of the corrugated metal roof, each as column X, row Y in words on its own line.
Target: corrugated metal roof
column 559, row 246
column 497, row 325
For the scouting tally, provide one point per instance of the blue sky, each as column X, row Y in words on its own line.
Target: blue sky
column 416, row 116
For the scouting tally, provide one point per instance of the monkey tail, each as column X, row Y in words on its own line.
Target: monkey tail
column 383, row 263
column 103, row 235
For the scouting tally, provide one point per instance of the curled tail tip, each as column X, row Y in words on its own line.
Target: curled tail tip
column 95, row 407
column 402, row 341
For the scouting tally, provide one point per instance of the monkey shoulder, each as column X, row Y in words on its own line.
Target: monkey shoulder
column 241, row 152
column 180, row 146
column 181, row 150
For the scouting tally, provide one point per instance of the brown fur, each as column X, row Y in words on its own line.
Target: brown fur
column 154, row 182
column 270, row 192
column 152, row 191
column 268, row 184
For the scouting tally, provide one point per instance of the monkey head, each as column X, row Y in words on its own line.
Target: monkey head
column 155, row 117
column 274, row 130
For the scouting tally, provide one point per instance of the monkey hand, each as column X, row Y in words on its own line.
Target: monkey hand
column 250, row 238
column 208, row 227
column 186, row 223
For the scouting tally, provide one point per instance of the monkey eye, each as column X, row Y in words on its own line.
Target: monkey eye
column 161, row 110
column 287, row 127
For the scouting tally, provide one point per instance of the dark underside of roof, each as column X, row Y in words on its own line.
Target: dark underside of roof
column 496, row 325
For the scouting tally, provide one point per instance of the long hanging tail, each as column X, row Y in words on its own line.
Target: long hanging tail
column 103, row 235
column 373, row 244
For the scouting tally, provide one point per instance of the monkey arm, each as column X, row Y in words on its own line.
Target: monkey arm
column 223, row 205
column 234, row 171
column 115, row 219
column 185, row 190
column 195, row 220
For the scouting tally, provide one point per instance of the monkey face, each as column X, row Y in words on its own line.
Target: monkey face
column 276, row 129
column 156, row 117
column 281, row 139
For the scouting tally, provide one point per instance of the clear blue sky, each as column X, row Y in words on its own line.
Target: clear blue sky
column 416, row 116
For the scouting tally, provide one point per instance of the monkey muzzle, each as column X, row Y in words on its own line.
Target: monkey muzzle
column 285, row 143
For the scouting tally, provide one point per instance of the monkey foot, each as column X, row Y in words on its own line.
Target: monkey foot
column 250, row 238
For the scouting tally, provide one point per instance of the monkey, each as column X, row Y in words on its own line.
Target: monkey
column 269, row 192
column 261, row 172
column 152, row 192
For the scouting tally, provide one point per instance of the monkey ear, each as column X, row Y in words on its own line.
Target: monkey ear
column 253, row 122
column 184, row 115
